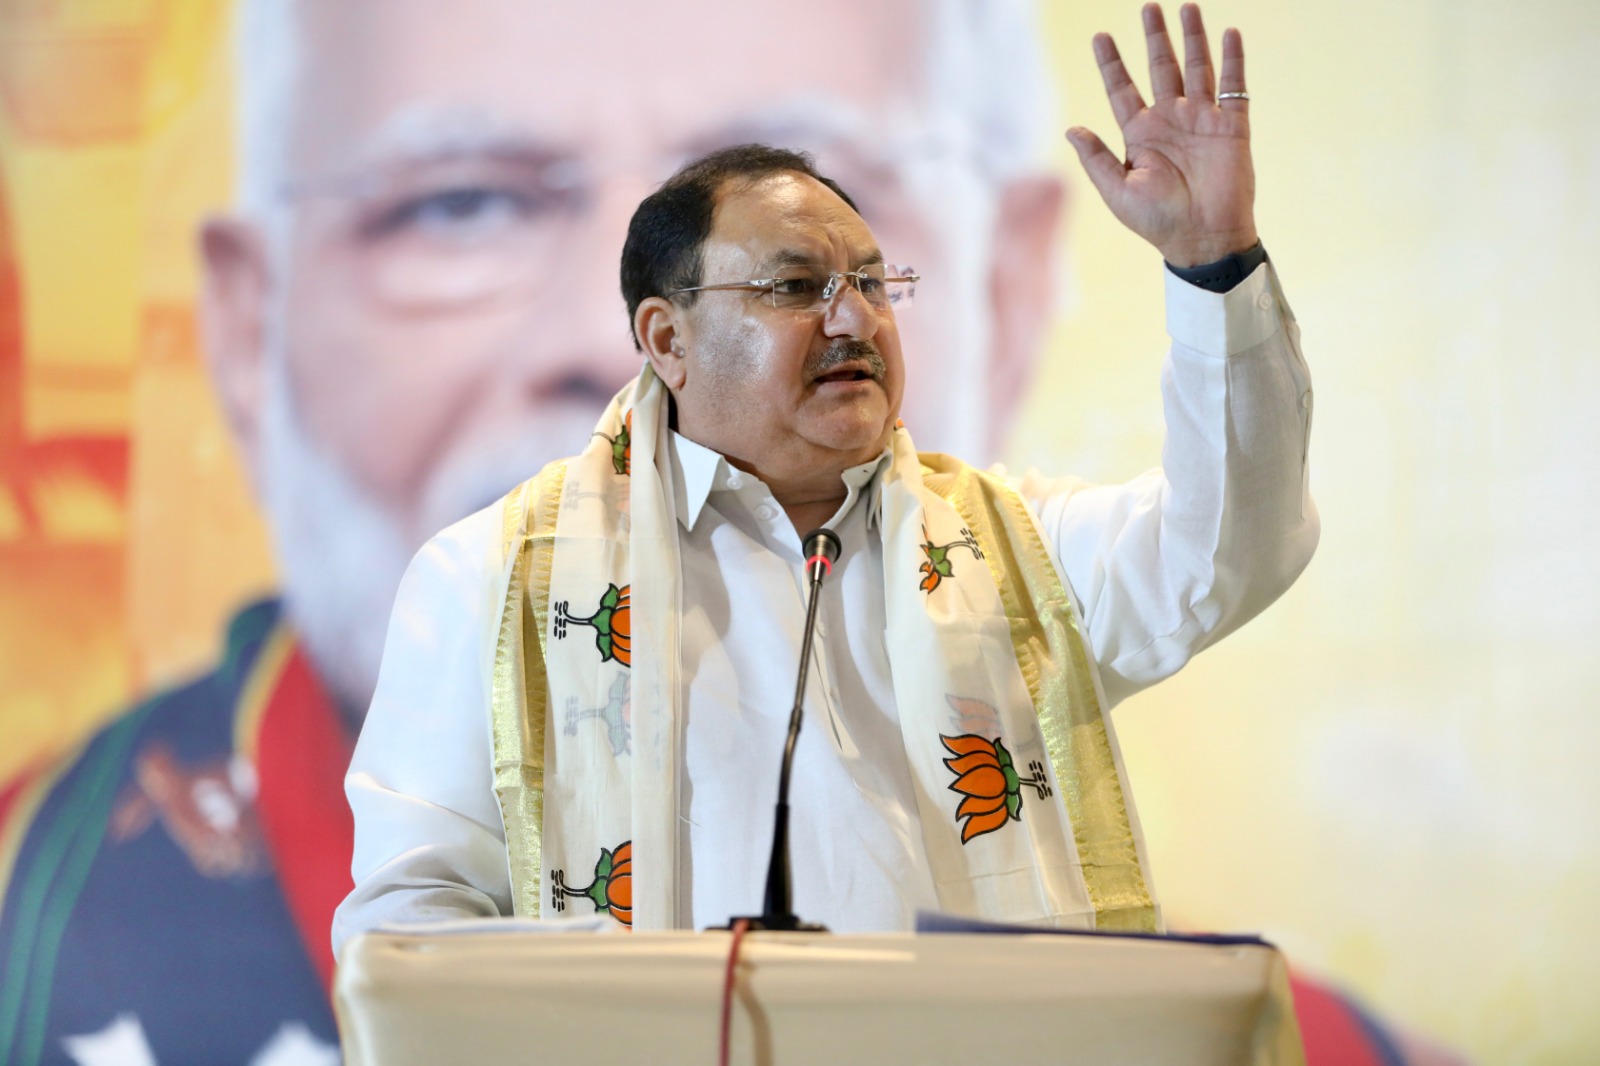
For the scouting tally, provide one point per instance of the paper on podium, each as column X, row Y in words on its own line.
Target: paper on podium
column 503, row 995
column 593, row 923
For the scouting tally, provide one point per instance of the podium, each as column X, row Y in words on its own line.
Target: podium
column 508, row 996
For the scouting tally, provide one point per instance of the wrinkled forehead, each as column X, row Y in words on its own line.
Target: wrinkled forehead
column 631, row 83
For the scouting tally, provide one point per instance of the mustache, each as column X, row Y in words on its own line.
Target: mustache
column 847, row 350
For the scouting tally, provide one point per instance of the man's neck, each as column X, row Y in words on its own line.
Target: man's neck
column 810, row 499
column 808, row 515
column 806, row 480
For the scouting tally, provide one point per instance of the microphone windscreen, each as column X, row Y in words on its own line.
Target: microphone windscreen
column 821, row 541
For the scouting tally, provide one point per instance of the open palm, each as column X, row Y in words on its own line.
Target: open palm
column 1187, row 185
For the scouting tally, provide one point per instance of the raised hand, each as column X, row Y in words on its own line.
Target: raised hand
column 1187, row 185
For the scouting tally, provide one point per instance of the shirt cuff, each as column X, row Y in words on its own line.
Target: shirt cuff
column 1223, row 324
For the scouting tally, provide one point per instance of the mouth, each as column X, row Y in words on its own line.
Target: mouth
column 847, row 374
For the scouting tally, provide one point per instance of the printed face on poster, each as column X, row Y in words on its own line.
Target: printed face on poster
column 405, row 301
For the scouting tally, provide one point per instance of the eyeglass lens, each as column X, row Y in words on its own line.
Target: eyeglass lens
column 802, row 289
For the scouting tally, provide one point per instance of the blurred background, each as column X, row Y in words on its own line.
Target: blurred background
column 1389, row 773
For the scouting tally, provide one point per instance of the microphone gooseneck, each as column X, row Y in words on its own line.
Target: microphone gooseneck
column 821, row 548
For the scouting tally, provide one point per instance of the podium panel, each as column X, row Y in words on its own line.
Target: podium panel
column 494, row 997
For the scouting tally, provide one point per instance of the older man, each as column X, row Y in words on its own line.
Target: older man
column 410, row 311
column 462, row 182
column 977, row 627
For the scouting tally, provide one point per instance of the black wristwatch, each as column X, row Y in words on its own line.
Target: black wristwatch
column 1226, row 272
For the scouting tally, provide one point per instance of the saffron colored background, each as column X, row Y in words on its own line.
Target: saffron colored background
column 1391, row 773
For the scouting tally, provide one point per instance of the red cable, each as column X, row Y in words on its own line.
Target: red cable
column 740, row 927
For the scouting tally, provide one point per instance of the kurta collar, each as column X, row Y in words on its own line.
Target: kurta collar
column 697, row 472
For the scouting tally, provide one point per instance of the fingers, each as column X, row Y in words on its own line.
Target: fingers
column 1197, row 72
column 1195, row 80
column 1233, row 69
column 1105, row 170
column 1166, row 79
column 1120, row 90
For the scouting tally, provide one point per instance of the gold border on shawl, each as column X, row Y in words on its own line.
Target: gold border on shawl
column 1055, row 664
column 519, row 694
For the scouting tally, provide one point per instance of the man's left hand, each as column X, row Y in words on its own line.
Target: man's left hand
column 1188, row 185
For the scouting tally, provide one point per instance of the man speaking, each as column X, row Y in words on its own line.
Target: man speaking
column 589, row 677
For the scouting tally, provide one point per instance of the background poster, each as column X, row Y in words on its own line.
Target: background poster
column 1389, row 773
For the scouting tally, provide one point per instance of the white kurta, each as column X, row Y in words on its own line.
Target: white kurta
column 1160, row 566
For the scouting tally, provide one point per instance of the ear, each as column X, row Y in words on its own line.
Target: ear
column 235, row 285
column 1022, row 285
column 658, row 325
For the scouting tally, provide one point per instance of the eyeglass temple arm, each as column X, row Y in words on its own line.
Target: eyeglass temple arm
column 756, row 284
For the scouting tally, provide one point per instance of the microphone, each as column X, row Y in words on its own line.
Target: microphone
column 821, row 548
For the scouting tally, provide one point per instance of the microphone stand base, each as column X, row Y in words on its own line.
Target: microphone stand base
column 776, row 923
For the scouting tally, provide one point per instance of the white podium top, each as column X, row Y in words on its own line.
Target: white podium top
column 509, row 996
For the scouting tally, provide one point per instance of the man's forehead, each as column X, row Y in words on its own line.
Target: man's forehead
column 787, row 219
column 626, row 78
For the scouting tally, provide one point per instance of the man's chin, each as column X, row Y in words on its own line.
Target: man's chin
column 859, row 438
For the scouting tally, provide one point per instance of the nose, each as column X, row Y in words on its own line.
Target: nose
column 848, row 314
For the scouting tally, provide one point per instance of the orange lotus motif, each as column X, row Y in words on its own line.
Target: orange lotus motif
column 619, row 885
column 612, row 623
column 611, row 891
column 990, row 787
column 622, row 629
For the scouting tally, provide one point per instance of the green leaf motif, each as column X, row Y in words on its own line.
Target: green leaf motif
column 602, row 621
column 602, row 874
column 1013, row 781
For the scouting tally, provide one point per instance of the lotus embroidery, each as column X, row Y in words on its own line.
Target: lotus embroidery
column 621, row 446
column 615, row 716
column 611, row 891
column 990, row 787
column 973, row 716
column 612, row 624
column 939, row 565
